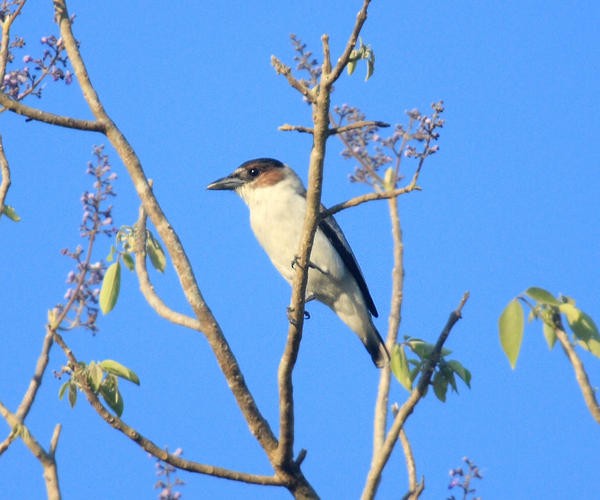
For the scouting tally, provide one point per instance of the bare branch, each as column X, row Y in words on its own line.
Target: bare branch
column 395, row 317
column 229, row 366
column 355, row 125
column 379, row 460
column 589, row 394
column 4, row 44
column 295, row 128
column 414, row 488
column 50, row 118
column 146, row 287
column 285, row 70
column 359, row 200
column 46, row 459
column 361, row 17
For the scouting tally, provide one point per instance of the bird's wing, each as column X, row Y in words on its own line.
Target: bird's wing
column 334, row 234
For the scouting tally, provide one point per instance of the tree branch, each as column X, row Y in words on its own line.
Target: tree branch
column 395, row 317
column 285, row 70
column 295, row 128
column 361, row 17
column 360, row 124
column 414, row 488
column 117, row 423
column 379, row 461
column 589, row 394
column 146, row 287
column 227, row 362
column 46, row 459
column 359, row 200
column 50, row 118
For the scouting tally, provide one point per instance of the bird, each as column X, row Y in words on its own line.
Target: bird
column 276, row 199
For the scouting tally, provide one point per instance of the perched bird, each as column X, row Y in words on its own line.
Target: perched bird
column 276, row 199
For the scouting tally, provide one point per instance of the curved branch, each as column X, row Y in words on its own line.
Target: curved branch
column 227, row 362
column 146, row 286
column 117, row 423
column 589, row 395
column 50, row 118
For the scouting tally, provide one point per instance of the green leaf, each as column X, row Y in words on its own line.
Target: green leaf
column 116, row 368
column 592, row 345
column 424, row 349
column 351, row 65
column 95, row 375
column 72, row 395
column 11, row 213
column 549, row 335
column 128, row 260
column 156, row 253
column 583, row 326
column 63, row 388
column 511, row 326
column 111, row 284
column 399, row 367
column 440, row 386
column 461, row 371
column 111, row 395
column 542, row 296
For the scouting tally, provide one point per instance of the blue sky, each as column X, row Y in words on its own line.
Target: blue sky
column 510, row 201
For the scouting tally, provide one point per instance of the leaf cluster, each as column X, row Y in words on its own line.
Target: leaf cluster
column 551, row 311
column 124, row 251
column 102, row 378
column 407, row 369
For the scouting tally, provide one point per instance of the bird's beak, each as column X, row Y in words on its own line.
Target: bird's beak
column 230, row 183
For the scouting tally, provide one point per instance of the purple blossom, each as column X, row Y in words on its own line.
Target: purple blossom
column 85, row 279
column 373, row 152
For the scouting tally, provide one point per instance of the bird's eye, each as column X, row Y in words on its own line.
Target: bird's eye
column 253, row 172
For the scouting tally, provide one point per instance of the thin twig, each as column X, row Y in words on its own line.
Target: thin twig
column 285, row 70
column 395, row 317
column 146, row 286
column 589, row 394
column 379, row 461
column 359, row 200
column 414, row 488
column 295, row 128
column 342, row 62
column 360, row 124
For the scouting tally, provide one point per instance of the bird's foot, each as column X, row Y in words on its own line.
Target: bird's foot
column 290, row 315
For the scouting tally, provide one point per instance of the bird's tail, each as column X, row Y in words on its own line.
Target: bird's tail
column 376, row 347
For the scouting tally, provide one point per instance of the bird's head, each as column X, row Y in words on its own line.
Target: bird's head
column 258, row 174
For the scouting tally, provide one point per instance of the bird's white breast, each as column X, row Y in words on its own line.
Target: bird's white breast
column 277, row 218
